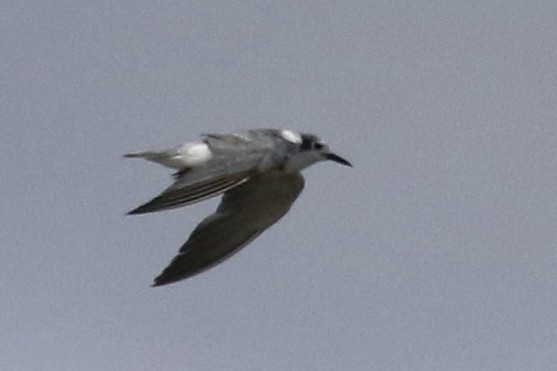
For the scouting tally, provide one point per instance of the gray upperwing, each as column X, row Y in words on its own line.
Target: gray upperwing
column 186, row 195
column 244, row 213
column 233, row 155
column 234, row 160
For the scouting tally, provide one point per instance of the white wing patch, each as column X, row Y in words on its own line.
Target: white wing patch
column 291, row 136
column 194, row 154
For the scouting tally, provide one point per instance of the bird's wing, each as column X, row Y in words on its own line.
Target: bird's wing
column 244, row 213
column 234, row 160
column 180, row 194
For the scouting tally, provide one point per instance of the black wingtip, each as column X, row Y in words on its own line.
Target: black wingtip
column 136, row 211
column 163, row 279
column 149, row 207
column 167, row 277
column 160, row 281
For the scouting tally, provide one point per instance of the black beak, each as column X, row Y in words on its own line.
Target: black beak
column 337, row 158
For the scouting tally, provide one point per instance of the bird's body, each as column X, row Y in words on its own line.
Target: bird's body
column 259, row 174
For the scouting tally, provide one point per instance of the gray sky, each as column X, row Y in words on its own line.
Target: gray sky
column 437, row 251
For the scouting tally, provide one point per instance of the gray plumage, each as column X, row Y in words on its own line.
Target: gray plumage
column 259, row 174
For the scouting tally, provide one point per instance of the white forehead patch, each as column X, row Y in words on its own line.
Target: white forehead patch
column 291, row 136
column 193, row 154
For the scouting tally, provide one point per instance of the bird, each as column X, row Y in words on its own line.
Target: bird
column 258, row 172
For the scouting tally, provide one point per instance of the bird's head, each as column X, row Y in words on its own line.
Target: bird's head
column 309, row 149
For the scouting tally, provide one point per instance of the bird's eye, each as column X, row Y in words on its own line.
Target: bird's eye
column 318, row 145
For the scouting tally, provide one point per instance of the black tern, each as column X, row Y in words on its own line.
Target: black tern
column 259, row 173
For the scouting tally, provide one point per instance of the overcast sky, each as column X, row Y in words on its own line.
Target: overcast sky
column 437, row 251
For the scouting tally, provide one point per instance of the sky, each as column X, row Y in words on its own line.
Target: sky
column 437, row 251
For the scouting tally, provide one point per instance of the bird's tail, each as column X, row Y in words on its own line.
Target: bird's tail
column 166, row 157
